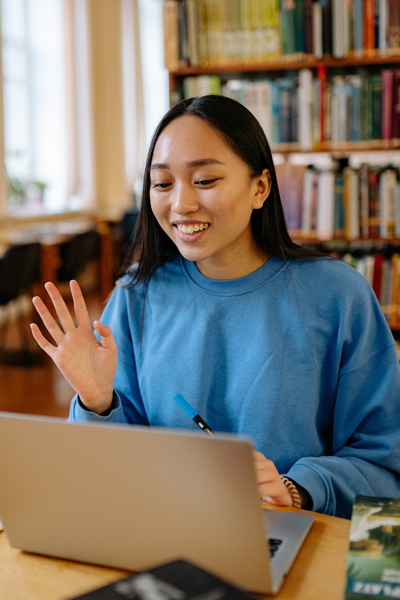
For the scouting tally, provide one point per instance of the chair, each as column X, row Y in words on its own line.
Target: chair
column 77, row 253
column 19, row 270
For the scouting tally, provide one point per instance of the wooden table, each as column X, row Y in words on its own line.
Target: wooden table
column 317, row 574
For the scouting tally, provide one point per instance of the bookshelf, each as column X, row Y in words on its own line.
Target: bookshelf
column 216, row 46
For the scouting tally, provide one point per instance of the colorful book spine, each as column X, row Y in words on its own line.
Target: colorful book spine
column 369, row 27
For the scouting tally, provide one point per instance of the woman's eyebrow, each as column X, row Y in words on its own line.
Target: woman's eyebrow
column 201, row 162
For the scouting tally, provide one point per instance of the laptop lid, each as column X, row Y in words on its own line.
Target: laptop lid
column 132, row 497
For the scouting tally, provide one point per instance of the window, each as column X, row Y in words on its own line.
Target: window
column 34, row 103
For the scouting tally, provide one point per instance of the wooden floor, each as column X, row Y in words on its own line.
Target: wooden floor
column 39, row 390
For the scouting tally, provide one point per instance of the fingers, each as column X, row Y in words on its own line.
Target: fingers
column 107, row 338
column 270, row 486
column 62, row 311
column 51, row 325
column 81, row 311
column 41, row 340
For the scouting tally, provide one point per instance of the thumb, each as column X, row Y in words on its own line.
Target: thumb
column 107, row 338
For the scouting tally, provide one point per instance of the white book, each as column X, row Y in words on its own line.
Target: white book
column 338, row 28
column 361, row 265
column 317, row 29
column 369, row 268
column 265, row 103
column 305, row 116
column 326, row 205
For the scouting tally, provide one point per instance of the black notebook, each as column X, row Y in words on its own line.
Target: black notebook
column 178, row 580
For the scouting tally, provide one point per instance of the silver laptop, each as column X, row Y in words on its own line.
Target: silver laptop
column 134, row 497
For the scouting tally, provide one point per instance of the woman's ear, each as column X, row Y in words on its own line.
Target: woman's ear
column 263, row 185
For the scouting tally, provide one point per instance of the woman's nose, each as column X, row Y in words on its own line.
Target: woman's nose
column 184, row 200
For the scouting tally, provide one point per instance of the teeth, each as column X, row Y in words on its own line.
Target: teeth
column 190, row 229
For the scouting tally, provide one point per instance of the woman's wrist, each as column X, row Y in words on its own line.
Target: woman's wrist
column 101, row 405
column 299, row 495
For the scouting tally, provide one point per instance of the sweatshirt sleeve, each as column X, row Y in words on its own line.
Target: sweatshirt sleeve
column 366, row 440
column 122, row 313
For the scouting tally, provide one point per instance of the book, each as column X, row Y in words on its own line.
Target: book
column 287, row 26
column 326, row 26
column 351, row 204
column 387, row 105
column 377, row 276
column 387, row 187
column 202, row 32
column 369, row 27
column 339, row 31
column 326, row 205
column 383, row 27
column 306, row 215
column 321, row 74
column 171, row 35
column 178, row 580
column 373, row 204
column 397, row 209
column 394, row 27
column 373, row 563
column 192, row 33
column 339, row 204
column 395, row 287
column 376, row 107
column 182, row 35
column 305, row 99
column 364, row 201
column 317, row 29
column 396, row 107
column 308, row 27
column 358, row 29
column 291, row 185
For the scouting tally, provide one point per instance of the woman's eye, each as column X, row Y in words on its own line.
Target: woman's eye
column 161, row 185
column 205, row 181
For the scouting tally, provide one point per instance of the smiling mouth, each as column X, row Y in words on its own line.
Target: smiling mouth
column 192, row 229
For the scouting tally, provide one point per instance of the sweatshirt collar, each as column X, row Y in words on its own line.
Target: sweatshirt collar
column 233, row 286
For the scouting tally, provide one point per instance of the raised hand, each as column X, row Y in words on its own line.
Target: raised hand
column 88, row 365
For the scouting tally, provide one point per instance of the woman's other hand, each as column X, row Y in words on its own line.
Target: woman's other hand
column 88, row 365
column 270, row 486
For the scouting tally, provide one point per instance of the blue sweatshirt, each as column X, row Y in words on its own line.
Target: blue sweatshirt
column 298, row 357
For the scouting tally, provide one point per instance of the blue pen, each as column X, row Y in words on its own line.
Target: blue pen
column 189, row 410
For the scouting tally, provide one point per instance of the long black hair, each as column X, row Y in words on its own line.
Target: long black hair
column 151, row 246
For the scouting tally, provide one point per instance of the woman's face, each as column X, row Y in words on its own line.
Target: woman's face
column 202, row 195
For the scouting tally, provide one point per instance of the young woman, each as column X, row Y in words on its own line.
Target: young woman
column 264, row 338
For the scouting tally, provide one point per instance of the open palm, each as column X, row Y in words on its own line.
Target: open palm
column 87, row 364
